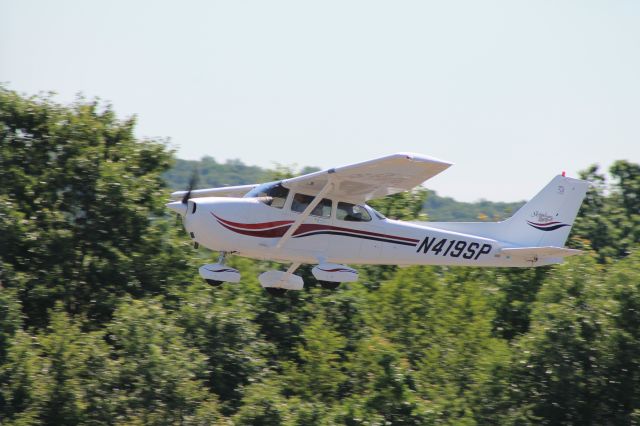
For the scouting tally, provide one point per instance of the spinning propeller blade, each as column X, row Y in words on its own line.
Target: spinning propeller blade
column 180, row 207
column 193, row 181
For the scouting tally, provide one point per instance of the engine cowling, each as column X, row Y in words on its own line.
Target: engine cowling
column 333, row 272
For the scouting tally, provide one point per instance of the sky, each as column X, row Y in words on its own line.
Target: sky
column 512, row 92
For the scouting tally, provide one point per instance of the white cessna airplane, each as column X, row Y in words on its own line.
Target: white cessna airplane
column 321, row 218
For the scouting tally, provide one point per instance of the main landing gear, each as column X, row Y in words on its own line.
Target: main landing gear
column 330, row 275
column 277, row 283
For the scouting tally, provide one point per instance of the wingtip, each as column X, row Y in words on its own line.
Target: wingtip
column 421, row 157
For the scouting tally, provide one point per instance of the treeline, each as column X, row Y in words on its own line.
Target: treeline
column 103, row 319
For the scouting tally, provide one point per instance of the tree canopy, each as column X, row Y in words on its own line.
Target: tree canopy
column 103, row 319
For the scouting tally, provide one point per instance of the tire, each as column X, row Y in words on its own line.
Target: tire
column 214, row 283
column 277, row 292
column 329, row 285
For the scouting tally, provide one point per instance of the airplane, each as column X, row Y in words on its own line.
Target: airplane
column 322, row 218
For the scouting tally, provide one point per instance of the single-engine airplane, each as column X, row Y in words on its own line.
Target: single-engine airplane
column 322, row 218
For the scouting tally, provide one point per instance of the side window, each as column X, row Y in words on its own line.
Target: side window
column 301, row 201
column 352, row 213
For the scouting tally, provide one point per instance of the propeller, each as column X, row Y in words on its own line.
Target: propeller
column 181, row 207
column 193, row 181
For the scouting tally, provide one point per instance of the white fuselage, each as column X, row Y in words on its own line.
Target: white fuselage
column 252, row 229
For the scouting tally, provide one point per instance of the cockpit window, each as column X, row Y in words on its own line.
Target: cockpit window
column 378, row 214
column 352, row 213
column 301, row 201
column 272, row 194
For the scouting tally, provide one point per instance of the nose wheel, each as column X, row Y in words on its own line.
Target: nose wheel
column 329, row 285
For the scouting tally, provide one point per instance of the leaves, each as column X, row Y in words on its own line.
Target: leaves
column 103, row 319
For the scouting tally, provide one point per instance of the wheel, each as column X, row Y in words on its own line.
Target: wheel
column 214, row 283
column 329, row 285
column 277, row 292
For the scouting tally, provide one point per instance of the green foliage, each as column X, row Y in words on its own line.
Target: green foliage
column 80, row 207
column 103, row 319
column 160, row 378
column 609, row 220
column 403, row 206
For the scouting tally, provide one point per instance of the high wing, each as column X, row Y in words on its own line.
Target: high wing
column 225, row 191
column 375, row 178
column 357, row 182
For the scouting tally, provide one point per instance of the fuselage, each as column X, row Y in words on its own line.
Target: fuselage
column 249, row 227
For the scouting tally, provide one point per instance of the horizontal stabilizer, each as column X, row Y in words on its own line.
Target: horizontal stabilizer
column 535, row 253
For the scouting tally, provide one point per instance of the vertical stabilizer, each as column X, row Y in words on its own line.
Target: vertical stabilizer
column 546, row 220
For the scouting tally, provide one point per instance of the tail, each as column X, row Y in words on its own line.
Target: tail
column 547, row 219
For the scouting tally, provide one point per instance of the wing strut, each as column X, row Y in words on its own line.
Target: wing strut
column 294, row 227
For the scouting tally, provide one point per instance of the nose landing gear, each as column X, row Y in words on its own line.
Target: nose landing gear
column 217, row 273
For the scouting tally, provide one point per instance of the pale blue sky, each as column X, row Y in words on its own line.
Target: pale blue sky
column 512, row 92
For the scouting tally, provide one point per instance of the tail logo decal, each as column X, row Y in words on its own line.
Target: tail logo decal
column 549, row 226
column 545, row 221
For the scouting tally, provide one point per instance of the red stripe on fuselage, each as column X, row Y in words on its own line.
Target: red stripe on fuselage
column 279, row 228
column 311, row 227
column 261, row 233
column 262, row 225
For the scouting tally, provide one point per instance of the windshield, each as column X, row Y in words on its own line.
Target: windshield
column 377, row 213
column 272, row 194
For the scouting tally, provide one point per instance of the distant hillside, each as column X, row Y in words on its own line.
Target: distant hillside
column 235, row 172
column 212, row 173
column 446, row 209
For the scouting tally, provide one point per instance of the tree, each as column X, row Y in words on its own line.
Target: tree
column 609, row 219
column 223, row 329
column 157, row 378
column 318, row 375
column 81, row 207
column 560, row 368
